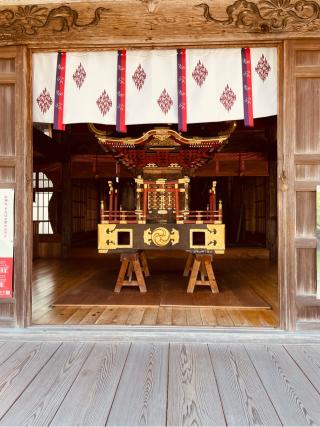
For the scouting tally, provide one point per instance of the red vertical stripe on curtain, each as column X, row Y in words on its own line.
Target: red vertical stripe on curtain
column 182, row 90
column 59, row 91
column 121, row 92
column 247, row 87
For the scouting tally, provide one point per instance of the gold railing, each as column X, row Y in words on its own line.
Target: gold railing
column 122, row 217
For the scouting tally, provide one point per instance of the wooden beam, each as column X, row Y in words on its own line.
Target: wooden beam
column 227, row 164
column 150, row 22
column 7, row 78
column 8, row 161
column 306, row 185
column 307, row 72
column 307, row 159
column 9, row 52
column 307, row 301
column 305, row 242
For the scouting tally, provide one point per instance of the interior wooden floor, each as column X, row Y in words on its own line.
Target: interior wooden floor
column 157, row 384
column 52, row 278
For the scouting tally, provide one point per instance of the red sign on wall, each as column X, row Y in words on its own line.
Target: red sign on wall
column 6, row 270
column 6, row 241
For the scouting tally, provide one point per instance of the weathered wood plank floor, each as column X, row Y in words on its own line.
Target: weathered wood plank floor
column 52, row 278
column 54, row 383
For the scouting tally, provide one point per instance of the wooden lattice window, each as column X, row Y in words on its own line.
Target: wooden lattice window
column 42, row 193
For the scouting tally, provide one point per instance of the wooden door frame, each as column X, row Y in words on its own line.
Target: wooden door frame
column 285, row 316
column 15, row 311
column 300, row 295
column 24, row 182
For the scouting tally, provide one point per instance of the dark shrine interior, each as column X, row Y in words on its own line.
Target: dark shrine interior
column 80, row 172
column 244, row 167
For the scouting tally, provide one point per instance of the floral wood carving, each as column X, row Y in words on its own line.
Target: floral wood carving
column 269, row 15
column 151, row 5
column 28, row 20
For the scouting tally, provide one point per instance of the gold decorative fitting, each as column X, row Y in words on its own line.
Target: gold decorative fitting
column 184, row 180
column 161, row 236
column 108, row 238
column 161, row 170
column 161, row 137
column 213, row 238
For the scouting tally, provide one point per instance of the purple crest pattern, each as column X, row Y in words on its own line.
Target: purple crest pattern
column 165, row 102
column 263, row 68
column 139, row 77
column 104, row 103
column 228, row 98
column 44, row 101
column 200, row 73
column 79, row 76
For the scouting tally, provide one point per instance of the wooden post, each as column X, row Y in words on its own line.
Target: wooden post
column 138, row 207
column 220, row 213
column 110, row 199
column 115, row 207
column 271, row 212
column 139, row 190
column 186, row 194
column 214, row 197
column 66, row 195
column 16, row 172
column 145, row 201
column 101, row 210
column 176, row 195
column 210, row 201
column 213, row 201
column 211, row 214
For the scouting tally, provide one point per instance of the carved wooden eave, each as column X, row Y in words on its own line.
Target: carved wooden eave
column 126, row 23
column 163, row 137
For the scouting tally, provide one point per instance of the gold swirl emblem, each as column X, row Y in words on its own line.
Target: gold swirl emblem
column 160, row 236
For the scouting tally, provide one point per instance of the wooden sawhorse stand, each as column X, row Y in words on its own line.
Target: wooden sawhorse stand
column 132, row 262
column 200, row 263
